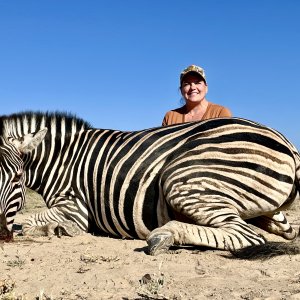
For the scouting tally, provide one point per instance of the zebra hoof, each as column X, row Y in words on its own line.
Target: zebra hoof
column 160, row 243
column 67, row 228
column 290, row 235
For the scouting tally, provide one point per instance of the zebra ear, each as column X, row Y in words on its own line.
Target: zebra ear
column 30, row 141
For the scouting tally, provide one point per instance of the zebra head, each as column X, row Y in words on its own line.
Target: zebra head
column 12, row 177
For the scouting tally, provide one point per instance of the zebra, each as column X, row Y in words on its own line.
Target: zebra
column 197, row 183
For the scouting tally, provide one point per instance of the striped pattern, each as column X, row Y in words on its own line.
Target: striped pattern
column 11, row 180
column 192, row 183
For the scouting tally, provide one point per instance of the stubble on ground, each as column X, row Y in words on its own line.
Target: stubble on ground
column 93, row 267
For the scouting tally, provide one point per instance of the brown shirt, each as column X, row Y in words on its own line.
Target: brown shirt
column 176, row 116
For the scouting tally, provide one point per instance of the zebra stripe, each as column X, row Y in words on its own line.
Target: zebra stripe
column 192, row 183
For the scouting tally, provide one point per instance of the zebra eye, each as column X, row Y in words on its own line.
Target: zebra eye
column 17, row 177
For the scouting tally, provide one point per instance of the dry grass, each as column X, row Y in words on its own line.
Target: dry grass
column 150, row 285
column 18, row 262
column 34, row 202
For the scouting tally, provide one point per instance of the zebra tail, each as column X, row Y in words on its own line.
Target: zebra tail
column 268, row 250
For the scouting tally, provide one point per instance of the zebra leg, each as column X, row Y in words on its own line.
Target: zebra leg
column 48, row 229
column 227, row 232
column 275, row 223
column 52, row 222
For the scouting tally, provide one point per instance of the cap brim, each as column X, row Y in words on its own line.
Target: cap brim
column 193, row 72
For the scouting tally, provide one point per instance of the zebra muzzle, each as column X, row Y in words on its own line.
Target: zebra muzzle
column 5, row 234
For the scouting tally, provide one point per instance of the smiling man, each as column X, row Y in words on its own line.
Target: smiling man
column 193, row 87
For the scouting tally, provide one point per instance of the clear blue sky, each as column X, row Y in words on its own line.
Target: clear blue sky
column 117, row 63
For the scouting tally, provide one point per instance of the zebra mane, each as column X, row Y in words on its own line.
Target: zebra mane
column 21, row 123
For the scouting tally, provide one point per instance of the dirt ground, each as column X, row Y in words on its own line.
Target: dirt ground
column 92, row 267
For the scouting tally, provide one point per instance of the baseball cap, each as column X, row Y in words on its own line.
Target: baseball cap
column 194, row 69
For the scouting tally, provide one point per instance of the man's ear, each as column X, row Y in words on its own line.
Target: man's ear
column 30, row 141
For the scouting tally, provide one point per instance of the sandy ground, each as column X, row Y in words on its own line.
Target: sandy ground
column 92, row 267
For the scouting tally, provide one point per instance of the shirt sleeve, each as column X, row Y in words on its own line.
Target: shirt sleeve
column 225, row 112
column 165, row 120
